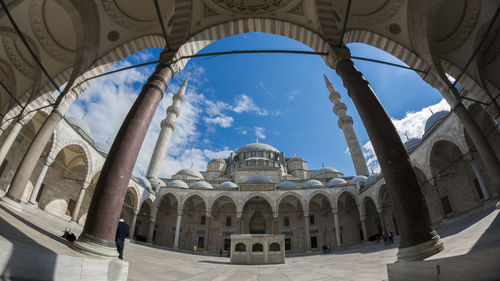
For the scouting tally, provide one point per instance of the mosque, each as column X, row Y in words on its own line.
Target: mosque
column 258, row 189
column 52, row 51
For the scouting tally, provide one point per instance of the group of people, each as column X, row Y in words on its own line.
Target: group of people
column 388, row 238
column 325, row 248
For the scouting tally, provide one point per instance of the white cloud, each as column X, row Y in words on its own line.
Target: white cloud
column 106, row 103
column 292, row 94
column 222, row 120
column 259, row 132
column 412, row 125
column 245, row 103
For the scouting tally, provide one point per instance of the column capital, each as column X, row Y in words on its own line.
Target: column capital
column 238, row 215
column 380, row 210
column 276, row 215
column 336, row 55
column 335, row 211
column 469, row 156
column 306, row 213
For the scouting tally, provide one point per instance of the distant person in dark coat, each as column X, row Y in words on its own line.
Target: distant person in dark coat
column 122, row 232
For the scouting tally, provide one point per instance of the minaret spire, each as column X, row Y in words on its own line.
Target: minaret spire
column 167, row 127
column 345, row 123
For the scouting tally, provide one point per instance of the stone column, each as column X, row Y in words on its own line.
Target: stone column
column 345, row 124
column 275, row 223
column 480, row 178
column 207, row 231
column 9, row 140
column 167, row 127
column 382, row 222
column 78, row 205
column 363, row 228
column 132, row 224
column 418, row 239
column 39, row 181
column 30, row 158
column 152, row 225
column 337, row 226
column 307, row 235
column 177, row 229
column 104, row 211
column 238, row 223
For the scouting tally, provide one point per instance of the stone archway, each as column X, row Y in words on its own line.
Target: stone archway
column 453, row 178
column 431, row 195
column 321, row 221
column 257, row 212
column 372, row 219
column 223, row 222
column 291, row 222
column 388, row 212
column 166, row 219
column 143, row 221
column 194, row 209
column 349, row 219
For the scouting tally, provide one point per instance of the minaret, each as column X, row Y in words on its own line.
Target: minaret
column 345, row 123
column 167, row 127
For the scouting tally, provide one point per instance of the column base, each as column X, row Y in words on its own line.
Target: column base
column 11, row 204
column 422, row 250
column 498, row 205
column 93, row 246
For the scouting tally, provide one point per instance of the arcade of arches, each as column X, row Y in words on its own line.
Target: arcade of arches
column 52, row 163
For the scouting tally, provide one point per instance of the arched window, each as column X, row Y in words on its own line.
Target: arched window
column 240, row 247
column 274, row 247
column 257, row 247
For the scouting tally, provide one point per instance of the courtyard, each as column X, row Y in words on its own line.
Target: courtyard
column 33, row 231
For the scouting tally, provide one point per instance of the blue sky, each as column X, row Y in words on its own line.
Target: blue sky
column 281, row 99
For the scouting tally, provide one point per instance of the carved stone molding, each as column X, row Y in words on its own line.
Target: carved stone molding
column 336, row 55
column 380, row 15
column 464, row 30
column 20, row 63
column 45, row 37
column 119, row 16
column 251, row 7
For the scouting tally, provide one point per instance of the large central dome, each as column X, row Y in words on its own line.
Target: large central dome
column 257, row 147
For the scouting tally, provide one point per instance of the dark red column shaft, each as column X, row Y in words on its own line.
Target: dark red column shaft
column 407, row 199
column 109, row 194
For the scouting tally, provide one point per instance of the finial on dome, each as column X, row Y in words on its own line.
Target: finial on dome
column 327, row 82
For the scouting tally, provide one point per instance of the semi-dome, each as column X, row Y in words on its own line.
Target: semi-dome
column 178, row 184
column 436, row 117
column 312, row 183
column 157, row 182
column 144, row 181
column 257, row 147
column 80, row 124
column 336, row 181
column 324, row 170
column 227, row 184
column 257, row 179
column 356, row 179
column 296, row 158
column 372, row 179
column 412, row 143
column 286, row 184
column 102, row 147
column 190, row 172
column 202, row 185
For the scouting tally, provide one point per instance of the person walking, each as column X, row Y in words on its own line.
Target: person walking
column 194, row 249
column 122, row 232
column 386, row 238
column 391, row 238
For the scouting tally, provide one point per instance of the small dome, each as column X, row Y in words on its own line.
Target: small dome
column 190, row 172
column 324, row 170
column 356, row 179
column 296, row 158
column 144, row 182
column 178, row 184
column 434, row 119
column 257, row 147
column 202, row 185
column 336, row 181
column 157, row 182
column 412, row 143
column 227, row 184
column 80, row 124
column 257, row 179
column 286, row 184
column 372, row 179
column 312, row 183
column 220, row 160
column 102, row 147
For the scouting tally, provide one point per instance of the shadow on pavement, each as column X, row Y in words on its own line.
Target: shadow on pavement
column 215, row 262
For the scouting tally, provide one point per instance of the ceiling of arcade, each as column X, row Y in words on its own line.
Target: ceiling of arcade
column 54, row 30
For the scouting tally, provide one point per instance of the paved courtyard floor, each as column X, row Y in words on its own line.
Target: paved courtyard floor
column 37, row 230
